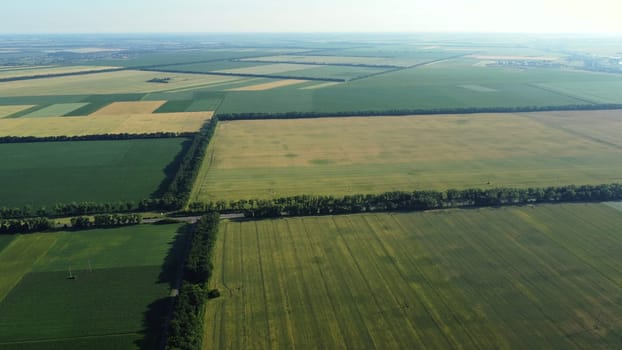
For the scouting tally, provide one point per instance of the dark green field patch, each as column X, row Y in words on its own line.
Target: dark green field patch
column 174, row 106
column 26, row 112
column 142, row 245
column 5, row 240
column 41, row 174
column 49, row 305
column 88, row 109
column 114, row 98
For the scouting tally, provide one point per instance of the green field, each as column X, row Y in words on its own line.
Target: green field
column 56, row 110
column 436, row 86
column 45, row 173
column 545, row 277
column 340, row 156
column 117, row 298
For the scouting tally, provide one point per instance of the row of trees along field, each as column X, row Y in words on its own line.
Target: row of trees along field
column 403, row 112
column 105, row 220
column 29, row 225
column 181, row 184
column 411, row 201
column 99, row 137
column 185, row 329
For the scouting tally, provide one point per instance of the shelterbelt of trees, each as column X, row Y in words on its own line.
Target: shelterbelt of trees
column 98, row 137
column 411, row 201
column 404, row 112
column 185, row 329
column 42, row 224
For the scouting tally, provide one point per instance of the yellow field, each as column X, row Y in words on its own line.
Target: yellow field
column 270, row 85
column 109, row 83
column 342, row 156
column 95, row 125
column 132, row 107
column 49, row 70
column 601, row 126
column 6, row 111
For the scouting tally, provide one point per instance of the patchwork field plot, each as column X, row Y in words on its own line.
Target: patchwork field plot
column 97, row 125
column 35, row 71
column 6, row 111
column 117, row 295
column 55, row 110
column 338, row 156
column 269, row 85
column 109, row 83
column 46, row 173
column 130, row 107
column 528, row 278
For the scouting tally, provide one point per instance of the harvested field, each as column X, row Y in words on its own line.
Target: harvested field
column 269, row 86
column 105, row 124
column 109, row 83
column 600, row 126
column 130, row 107
column 544, row 277
column 340, row 156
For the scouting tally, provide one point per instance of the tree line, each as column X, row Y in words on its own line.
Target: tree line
column 30, row 225
column 105, row 221
column 98, row 137
column 178, row 191
column 410, row 201
column 185, row 330
column 269, row 76
column 404, row 112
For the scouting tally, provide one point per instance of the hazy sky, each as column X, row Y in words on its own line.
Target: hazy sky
column 111, row 16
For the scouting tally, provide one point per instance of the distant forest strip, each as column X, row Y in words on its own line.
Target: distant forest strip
column 98, row 137
column 407, row 112
column 56, row 75
column 185, row 329
column 306, row 205
column 249, row 75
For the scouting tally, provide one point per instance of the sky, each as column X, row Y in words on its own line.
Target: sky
column 184, row 16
